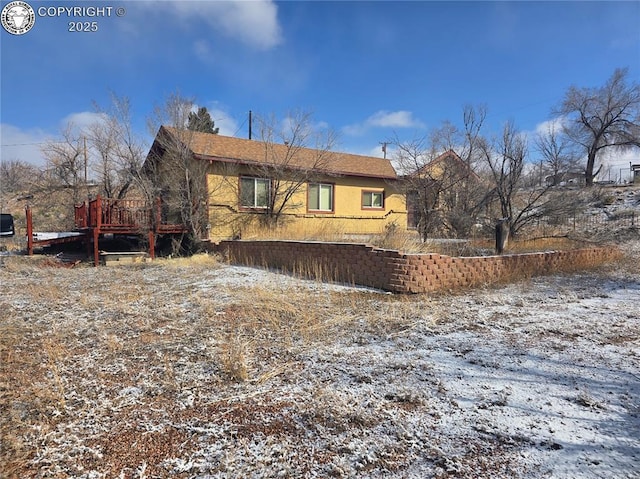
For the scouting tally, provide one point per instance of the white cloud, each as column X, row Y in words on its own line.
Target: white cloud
column 302, row 124
column 255, row 23
column 555, row 124
column 228, row 126
column 397, row 119
column 82, row 121
column 384, row 119
column 26, row 144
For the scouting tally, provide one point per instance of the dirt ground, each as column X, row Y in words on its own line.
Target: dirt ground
column 197, row 369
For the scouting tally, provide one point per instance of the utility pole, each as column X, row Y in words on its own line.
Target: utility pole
column 384, row 148
column 86, row 162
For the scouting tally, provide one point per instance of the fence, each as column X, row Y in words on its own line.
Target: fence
column 548, row 225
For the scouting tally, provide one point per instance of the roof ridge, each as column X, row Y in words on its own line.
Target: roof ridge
column 249, row 150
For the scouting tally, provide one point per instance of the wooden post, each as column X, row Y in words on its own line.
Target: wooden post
column 152, row 244
column 98, row 211
column 96, row 249
column 96, row 231
column 29, row 230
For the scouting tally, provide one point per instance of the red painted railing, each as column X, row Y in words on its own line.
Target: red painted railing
column 116, row 213
column 112, row 216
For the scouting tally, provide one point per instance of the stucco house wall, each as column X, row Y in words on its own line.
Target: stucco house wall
column 229, row 219
column 364, row 194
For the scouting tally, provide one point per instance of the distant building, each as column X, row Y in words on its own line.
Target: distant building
column 635, row 173
column 565, row 178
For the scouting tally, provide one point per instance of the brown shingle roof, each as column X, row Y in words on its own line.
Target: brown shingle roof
column 448, row 156
column 229, row 149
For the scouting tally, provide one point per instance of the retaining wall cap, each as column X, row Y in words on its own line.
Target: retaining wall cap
column 310, row 242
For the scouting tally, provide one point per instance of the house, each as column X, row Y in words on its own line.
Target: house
column 249, row 183
column 438, row 188
column 445, row 164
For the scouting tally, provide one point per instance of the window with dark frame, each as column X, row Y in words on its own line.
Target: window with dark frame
column 254, row 192
column 373, row 199
column 320, row 197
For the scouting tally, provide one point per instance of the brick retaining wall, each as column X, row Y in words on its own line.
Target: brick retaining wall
column 399, row 272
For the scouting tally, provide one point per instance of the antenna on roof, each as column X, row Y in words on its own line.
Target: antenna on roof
column 249, row 124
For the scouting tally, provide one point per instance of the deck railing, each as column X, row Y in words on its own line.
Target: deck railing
column 119, row 213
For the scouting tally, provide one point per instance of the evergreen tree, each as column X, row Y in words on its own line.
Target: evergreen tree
column 201, row 121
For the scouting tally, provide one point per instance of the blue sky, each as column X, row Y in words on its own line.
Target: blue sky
column 369, row 70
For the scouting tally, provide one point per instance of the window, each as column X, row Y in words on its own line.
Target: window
column 254, row 192
column 320, row 197
column 373, row 199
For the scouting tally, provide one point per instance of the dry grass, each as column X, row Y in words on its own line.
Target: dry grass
column 111, row 318
column 14, row 244
column 294, row 231
column 128, row 371
column 201, row 261
column 544, row 244
column 393, row 237
column 400, row 239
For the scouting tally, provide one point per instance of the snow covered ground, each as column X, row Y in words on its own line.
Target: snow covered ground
column 215, row 371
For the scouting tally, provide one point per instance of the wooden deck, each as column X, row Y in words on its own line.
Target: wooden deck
column 110, row 216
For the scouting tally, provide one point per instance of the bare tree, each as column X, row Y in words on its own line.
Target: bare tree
column 422, row 187
column 444, row 194
column 295, row 153
column 506, row 161
column 120, row 152
column 471, row 193
column 17, row 175
column 103, row 142
column 557, row 155
column 174, row 174
column 602, row 118
column 464, row 141
column 437, row 189
column 67, row 161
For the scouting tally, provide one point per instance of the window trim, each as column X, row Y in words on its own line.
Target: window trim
column 255, row 179
column 372, row 192
column 333, row 198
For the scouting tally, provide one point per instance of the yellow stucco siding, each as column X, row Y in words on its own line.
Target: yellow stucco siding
column 347, row 216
